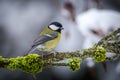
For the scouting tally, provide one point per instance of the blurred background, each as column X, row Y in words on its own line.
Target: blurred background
column 85, row 23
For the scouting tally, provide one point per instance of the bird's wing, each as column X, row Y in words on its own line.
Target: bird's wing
column 44, row 39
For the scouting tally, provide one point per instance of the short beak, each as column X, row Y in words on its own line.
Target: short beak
column 62, row 28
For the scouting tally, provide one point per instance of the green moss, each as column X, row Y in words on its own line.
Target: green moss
column 74, row 63
column 13, row 64
column 100, row 54
column 1, row 58
column 30, row 63
column 3, row 62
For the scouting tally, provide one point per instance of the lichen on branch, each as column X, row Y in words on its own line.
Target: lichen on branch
column 34, row 63
column 30, row 63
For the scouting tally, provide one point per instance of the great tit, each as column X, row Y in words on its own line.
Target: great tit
column 48, row 39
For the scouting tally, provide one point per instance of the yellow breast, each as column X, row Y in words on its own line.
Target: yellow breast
column 52, row 43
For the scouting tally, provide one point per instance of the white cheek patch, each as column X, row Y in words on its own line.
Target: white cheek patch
column 53, row 27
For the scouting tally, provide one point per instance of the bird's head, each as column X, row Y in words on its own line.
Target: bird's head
column 56, row 26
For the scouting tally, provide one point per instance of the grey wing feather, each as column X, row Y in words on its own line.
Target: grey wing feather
column 44, row 39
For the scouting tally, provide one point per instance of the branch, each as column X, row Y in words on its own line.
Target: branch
column 34, row 63
column 111, row 42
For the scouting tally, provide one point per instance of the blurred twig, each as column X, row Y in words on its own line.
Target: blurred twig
column 97, row 2
column 56, row 4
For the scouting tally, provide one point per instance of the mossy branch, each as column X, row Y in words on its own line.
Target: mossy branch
column 34, row 63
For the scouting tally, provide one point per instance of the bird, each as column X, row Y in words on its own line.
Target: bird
column 47, row 40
